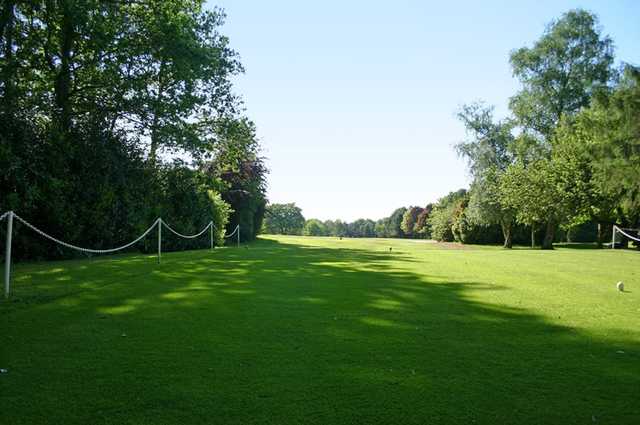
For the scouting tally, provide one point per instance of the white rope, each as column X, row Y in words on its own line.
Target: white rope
column 624, row 233
column 78, row 248
column 185, row 236
column 4, row 215
column 232, row 233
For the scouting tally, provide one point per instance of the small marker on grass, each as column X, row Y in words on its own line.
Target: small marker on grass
column 620, row 286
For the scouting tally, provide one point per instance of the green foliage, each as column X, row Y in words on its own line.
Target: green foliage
column 94, row 195
column 560, row 73
column 314, row 227
column 545, row 192
column 361, row 228
column 489, row 151
column 611, row 130
column 283, row 219
column 220, row 212
column 543, row 176
column 91, row 93
column 489, row 145
column 394, row 224
column 409, row 221
column 569, row 65
column 422, row 227
column 466, row 231
column 336, row 228
column 440, row 222
column 240, row 174
column 147, row 69
column 446, row 210
column 380, row 227
column 186, row 200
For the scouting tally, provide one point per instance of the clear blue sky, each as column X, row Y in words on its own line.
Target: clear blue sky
column 355, row 101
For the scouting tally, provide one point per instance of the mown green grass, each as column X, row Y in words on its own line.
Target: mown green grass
column 320, row 330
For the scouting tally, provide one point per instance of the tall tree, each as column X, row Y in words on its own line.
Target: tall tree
column 442, row 217
column 489, row 151
column 240, row 172
column 560, row 73
column 546, row 192
column 340, row 228
column 409, row 220
column 613, row 125
column 394, row 224
column 570, row 63
column 90, row 88
column 605, row 138
column 381, row 227
column 182, row 71
column 422, row 227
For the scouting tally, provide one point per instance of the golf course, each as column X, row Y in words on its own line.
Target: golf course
column 319, row 213
column 315, row 330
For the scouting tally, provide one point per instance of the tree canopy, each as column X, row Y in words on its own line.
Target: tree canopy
column 283, row 219
column 98, row 99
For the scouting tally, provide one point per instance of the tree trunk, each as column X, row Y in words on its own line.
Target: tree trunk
column 6, row 31
column 600, row 239
column 533, row 236
column 63, row 78
column 549, row 234
column 153, row 149
column 507, row 233
column 155, row 137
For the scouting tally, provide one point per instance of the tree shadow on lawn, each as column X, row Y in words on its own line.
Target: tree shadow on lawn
column 295, row 334
column 587, row 245
column 577, row 245
column 43, row 282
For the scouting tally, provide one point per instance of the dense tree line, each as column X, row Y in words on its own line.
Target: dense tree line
column 287, row 219
column 97, row 97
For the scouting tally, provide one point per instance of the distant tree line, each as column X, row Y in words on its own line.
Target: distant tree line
column 96, row 98
column 287, row 219
column 564, row 165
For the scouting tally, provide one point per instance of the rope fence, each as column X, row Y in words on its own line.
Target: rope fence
column 236, row 232
column 159, row 223
column 79, row 248
column 619, row 230
column 185, row 236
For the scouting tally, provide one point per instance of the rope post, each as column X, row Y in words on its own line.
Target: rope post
column 159, row 239
column 211, row 234
column 7, row 257
column 613, row 237
column 238, row 229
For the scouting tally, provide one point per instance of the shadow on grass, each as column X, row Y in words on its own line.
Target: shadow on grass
column 572, row 245
column 284, row 333
column 577, row 245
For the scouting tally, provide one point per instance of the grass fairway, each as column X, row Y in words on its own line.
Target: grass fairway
column 319, row 331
